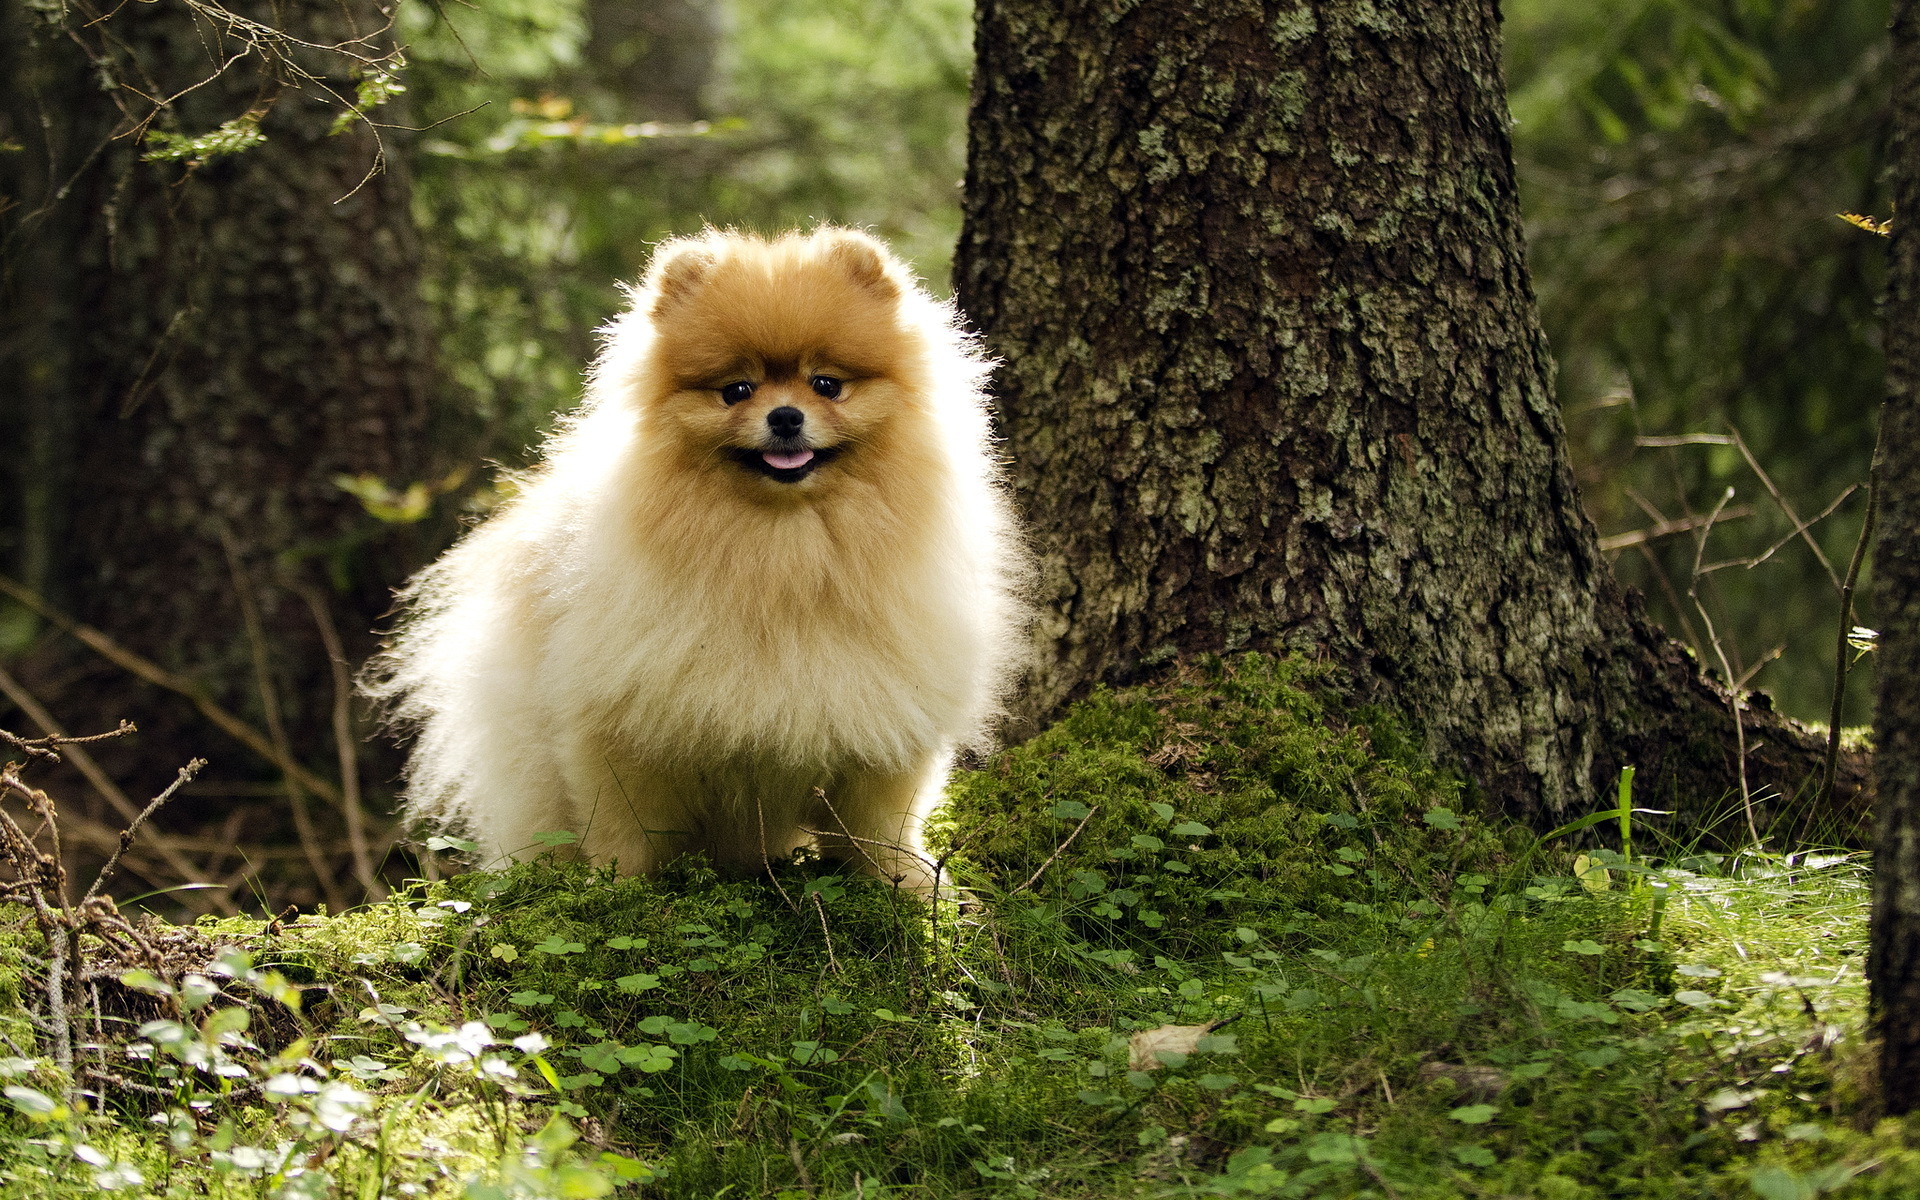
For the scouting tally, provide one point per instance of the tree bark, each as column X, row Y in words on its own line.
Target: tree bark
column 1894, row 955
column 1273, row 379
column 211, row 344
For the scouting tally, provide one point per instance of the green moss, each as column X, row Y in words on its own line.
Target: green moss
column 1402, row 996
column 1230, row 797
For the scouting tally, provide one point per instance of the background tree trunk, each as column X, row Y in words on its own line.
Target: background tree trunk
column 1894, row 957
column 1273, row 379
column 211, row 344
column 651, row 61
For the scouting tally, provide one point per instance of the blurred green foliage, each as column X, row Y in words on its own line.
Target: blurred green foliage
column 1682, row 163
column 549, row 190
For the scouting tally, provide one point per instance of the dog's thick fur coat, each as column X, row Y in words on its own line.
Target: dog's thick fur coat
column 667, row 643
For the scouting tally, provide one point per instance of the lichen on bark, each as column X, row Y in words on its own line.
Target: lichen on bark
column 1273, row 379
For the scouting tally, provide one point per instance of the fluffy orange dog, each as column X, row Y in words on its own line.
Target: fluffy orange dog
column 769, row 555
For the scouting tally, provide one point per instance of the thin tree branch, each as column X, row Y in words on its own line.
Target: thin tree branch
column 145, row 669
column 184, row 869
column 344, row 741
column 270, row 705
column 127, row 835
column 1841, row 659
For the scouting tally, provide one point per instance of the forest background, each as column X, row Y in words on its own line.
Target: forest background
column 1683, row 164
column 277, row 325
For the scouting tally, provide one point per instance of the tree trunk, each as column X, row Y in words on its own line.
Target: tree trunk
column 212, row 343
column 1894, row 957
column 1273, row 379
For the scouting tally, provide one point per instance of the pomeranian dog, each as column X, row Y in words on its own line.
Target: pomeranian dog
column 763, row 586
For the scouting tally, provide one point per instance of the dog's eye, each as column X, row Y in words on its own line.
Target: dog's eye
column 734, row 393
column 826, row 385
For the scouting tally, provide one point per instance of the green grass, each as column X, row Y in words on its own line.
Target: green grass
column 1410, row 1002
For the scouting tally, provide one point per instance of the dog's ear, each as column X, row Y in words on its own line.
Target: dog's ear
column 867, row 260
column 678, row 269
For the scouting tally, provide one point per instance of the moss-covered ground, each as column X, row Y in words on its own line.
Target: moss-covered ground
column 1357, row 987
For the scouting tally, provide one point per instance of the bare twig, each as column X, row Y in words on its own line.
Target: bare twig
column 1799, row 530
column 1841, row 661
column 145, row 669
column 1747, row 675
column 1800, row 526
column 1726, row 669
column 44, row 747
column 344, row 741
column 183, row 868
column 767, row 863
column 1666, row 528
column 43, row 878
column 1673, row 597
column 1057, row 852
column 821, row 909
column 276, row 729
column 127, row 835
column 1685, row 439
column 820, row 794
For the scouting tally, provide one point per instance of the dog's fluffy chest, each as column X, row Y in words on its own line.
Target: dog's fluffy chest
column 793, row 652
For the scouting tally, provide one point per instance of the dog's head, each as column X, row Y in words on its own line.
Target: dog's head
column 778, row 363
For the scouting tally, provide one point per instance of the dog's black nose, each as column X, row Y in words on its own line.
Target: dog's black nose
column 786, row 421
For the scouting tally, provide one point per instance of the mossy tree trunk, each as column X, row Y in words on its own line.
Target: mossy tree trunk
column 1273, row 379
column 214, row 341
column 1894, row 958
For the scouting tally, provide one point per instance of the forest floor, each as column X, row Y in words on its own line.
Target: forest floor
column 1214, row 941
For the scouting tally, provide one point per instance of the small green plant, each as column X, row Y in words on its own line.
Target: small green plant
column 235, row 136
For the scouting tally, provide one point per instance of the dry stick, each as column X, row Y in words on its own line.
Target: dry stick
column 343, row 740
column 1665, row 527
column 1754, row 464
column 1739, row 726
column 1840, row 663
column 1720, row 652
column 47, row 747
column 127, row 835
column 820, row 794
column 1800, row 529
column 1057, row 852
column 1686, row 439
column 824, row 931
column 55, row 928
column 767, row 863
column 1763, row 660
column 861, row 843
column 179, row 863
column 159, row 676
column 270, row 705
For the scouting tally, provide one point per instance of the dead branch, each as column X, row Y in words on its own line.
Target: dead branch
column 1664, row 527
column 127, row 835
column 160, row 677
column 345, row 744
column 182, row 867
column 276, row 728
column 1057, row 851
column 40, row 883
column 1841, row 662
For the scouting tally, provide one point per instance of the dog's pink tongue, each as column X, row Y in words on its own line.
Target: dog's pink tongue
column 787, row 462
